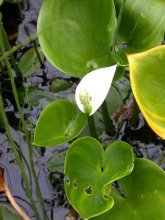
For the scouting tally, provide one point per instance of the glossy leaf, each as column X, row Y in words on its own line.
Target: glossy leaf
column 89, row 172
column 143, row 24
column 58, row 123
column 144, row 191
column 148, row 79
column 29, row 62
column 75, row 36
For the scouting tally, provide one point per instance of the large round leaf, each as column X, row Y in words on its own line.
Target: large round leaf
column 143, row 24
column 75, row 35
column 89, row 172
column 144, row 191
column 147, row 74
column 58, row 123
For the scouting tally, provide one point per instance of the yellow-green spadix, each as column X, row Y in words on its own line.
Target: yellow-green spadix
column 93, row 89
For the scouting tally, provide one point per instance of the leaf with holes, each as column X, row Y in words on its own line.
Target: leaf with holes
column 147, row 75
column 90, row 171
column 144, row 191
column 143, row 24
column 74, row 35
column 59, row 123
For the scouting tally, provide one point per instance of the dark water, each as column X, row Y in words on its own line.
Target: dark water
column 145, row 143
column 53, row 195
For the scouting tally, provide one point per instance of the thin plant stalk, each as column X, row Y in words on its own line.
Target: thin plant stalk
column 30, row 151
column 29, row 141
column 135, row 113
column 36, row 49
column 18, row 46
column 92, row 128
column 20, row 11
column 19, row 162
column 113, row 44
column 8, row 47
column 109, row 128
column 161, row 161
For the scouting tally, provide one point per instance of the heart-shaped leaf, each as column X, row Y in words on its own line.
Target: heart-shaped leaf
column 143, row 24
column 89, row 172
column 75, row 36
column 58, row 123
column 144, row 191
column 147, row 75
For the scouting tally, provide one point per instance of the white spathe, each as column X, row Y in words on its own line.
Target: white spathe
column 93, row 89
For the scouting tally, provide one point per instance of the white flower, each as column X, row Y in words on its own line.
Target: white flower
column 93, row 89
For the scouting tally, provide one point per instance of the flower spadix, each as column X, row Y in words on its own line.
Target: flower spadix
column 93, row 89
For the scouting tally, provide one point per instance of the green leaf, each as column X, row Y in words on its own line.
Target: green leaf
column 144, row 191
column 56, row 163
column 89, row 172
column 143, row 24
column 114, row 100
column 75, row 36
column 120, row 71
column 148, row 79
column 59, row 123
column 35, row 96
column 59, row 85
column 29, row 62
column 7, row 212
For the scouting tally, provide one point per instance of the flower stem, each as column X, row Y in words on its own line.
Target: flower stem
column 18, row 46
column 20, row 164
column 3, row 38
column 109, row 128
column 92, row 128
column 6, row 45
column 135, row 112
